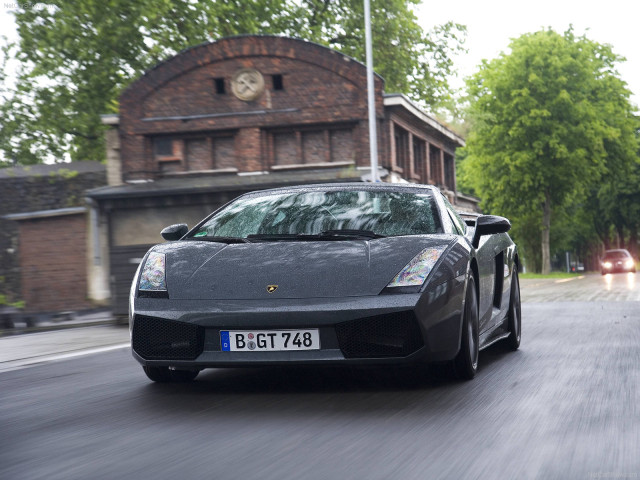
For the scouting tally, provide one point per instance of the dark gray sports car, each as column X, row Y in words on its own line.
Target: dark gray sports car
column 326, row 274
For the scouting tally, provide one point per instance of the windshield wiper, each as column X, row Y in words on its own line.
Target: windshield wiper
column 220, row 239
column 323, row 236
column 350, row 233
column 274, row 237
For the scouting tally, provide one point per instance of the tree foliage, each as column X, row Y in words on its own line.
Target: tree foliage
column 76, row 57
column 551, row 121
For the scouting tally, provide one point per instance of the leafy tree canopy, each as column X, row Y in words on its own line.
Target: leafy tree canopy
column 549, row 121
column 76, row 57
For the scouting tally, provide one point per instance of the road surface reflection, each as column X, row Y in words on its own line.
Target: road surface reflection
column 615, row 281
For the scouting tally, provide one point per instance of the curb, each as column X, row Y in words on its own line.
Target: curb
column 53, row 328
column 56, row 321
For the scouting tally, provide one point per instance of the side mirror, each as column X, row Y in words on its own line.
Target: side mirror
column 174, row 232
column 488, row 225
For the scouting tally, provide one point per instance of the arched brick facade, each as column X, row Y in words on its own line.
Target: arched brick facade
column 313, row 110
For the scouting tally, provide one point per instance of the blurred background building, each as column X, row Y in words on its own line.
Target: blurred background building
column 236, row 115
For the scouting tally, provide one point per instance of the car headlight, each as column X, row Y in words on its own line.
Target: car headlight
column 628, row 263
column 417, row 270
column 607, row 264
column 153, row 278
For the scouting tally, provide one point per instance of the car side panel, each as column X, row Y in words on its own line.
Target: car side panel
column 495, row 260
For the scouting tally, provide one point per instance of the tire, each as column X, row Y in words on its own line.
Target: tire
column 183, row 376
column 157, row 374
column 515, row 313
column 465, row 365
column 165, row 375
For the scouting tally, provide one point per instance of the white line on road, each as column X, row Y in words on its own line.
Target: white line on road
column 569, row 279
column 39, row 359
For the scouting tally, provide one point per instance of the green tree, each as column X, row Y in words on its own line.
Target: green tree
column 549, row 121
column 77, row 57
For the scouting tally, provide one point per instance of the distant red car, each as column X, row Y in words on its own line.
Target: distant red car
column 616, row 261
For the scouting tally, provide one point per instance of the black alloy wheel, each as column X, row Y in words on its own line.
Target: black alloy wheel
column 466, row 362
column 515, row 314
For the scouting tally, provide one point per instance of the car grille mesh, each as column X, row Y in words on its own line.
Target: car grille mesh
column 160, row 339
column 390, row 335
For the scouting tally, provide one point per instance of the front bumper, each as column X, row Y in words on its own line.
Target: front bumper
column 384, row 329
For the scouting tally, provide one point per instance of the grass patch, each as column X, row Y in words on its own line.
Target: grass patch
column 550, row 275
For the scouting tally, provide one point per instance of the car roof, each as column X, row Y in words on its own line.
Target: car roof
column 354, row 186
column 617, row 250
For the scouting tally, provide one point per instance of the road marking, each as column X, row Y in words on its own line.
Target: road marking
column 569, row 279
column 17, row 364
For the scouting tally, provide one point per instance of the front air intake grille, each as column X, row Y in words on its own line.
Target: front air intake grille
column 160, row 339
column 390, row 335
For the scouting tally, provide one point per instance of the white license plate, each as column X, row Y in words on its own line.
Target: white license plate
column 269, row 340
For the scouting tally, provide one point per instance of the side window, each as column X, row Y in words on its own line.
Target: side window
column 457, row 221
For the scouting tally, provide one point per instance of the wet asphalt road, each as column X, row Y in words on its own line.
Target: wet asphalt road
column 565, row 406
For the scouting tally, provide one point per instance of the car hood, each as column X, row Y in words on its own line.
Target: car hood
column 198, row 270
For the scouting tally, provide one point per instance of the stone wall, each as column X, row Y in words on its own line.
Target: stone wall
column 36, row 188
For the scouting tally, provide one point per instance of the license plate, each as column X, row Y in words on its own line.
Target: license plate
column 269, row 340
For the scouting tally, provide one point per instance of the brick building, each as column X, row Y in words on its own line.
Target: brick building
column 43, row 236
column 246, row 113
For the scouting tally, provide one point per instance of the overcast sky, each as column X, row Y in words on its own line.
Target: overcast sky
column 492, row 23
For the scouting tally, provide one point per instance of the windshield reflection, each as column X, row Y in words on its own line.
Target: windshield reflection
column 314, row 212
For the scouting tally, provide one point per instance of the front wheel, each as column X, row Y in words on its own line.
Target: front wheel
column 466, row 362
column 515, row 314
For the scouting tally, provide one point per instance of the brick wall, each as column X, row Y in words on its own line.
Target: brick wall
column 53, row 260
column 40, row 187
column 306, row 85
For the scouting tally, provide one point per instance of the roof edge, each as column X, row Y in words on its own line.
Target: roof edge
column 45, row 213
column 399, row 99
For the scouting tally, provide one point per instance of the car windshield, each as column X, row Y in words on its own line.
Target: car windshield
column 334, row 213
column 616, row 255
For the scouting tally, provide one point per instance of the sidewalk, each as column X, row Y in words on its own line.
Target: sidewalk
column 60, row 336
column 19, row 351
column 18, row 324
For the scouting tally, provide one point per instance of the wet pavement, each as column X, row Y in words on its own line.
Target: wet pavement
column 619, row 287
column 74, row 404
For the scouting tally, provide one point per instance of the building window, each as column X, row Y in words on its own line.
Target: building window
column 435, row 164
column 420, row 159
column 285, row 148
column 311, row 146
column 402, row 148
column 314, row 147
column 163, row 147
column 277, row 82
column 342, row 145
column 449, row 172
column 194, row 153
column 197, row 154
column 224, row 152
column 168, row 152
column 219, row 84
